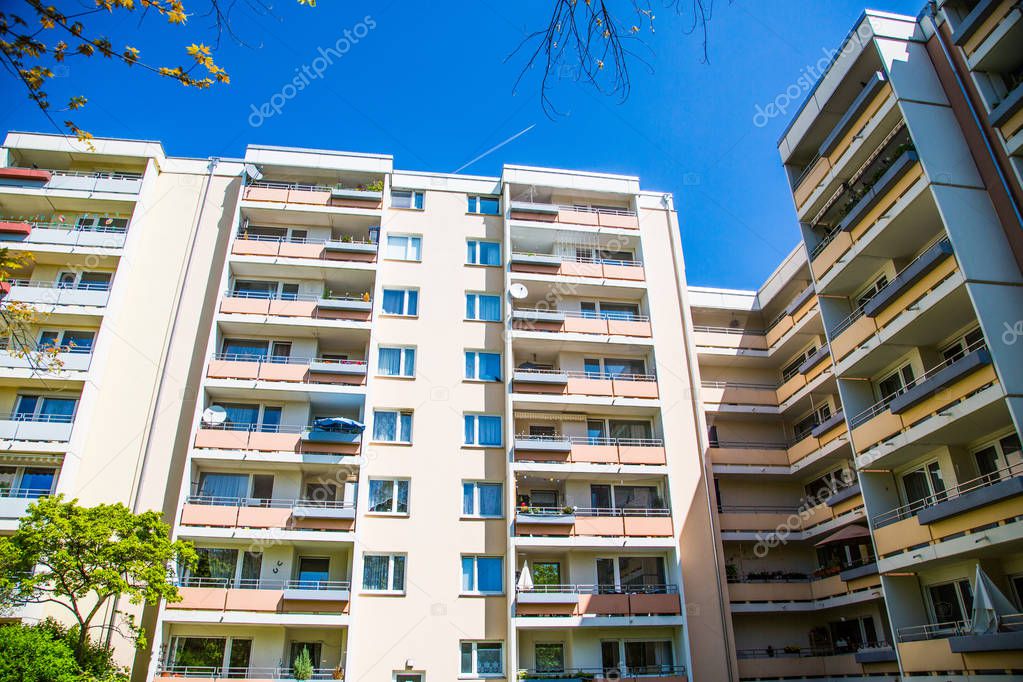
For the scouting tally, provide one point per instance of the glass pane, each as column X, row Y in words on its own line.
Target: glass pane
column 397, row 247
column 945, row 601
column 409, row 366
column 600, row 496
column 550, row 658
column 271, row 419
column 37, row 482
column 238, row 662
column 242, row 349
column 470, row 429
column 490, row 499
column 413, row 303
column 401, row 198
column 490, row 253
column 252, row 563
column 394, row 302
column 215, row 564
column 466, row 652
column 402, row 504
column 470, row 365
column 227, row 488
column 488, row 574
column 468, row 574
column 405, row 419
column 58, row 409
column 488, row 659
column 489, row 205
column 198, row 652
column 374, row 572
column 313, row 569
column 381, row 496
column 490, row 308
column 490, row 366
column 389, row 361
column 78, row 342
column 241, row 416
column 385, row 426
column 470, row 306
column 490, row 430
column 399, row 573
column 468, row 499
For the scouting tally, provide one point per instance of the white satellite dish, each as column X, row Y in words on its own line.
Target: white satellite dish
column 214, row 415
column 518, row 291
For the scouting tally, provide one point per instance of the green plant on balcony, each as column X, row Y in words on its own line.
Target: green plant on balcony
column 302, row 666
column 792, row 649
column 856, row 193
column 347, row 239
column 731, row 573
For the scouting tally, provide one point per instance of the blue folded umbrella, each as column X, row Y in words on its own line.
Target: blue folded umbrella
column 339, row 424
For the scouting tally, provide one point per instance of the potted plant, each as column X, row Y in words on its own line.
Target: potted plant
column 302, row 666
column 339, row 672
column 731, row 573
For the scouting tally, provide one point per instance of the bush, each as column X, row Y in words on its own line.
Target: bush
column 34, row 654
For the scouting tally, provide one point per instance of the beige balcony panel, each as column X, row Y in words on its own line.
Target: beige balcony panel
column 749, row 396
column 254, row 247
column 313, row 606
column 808, row 185
column 543, row 528
column 629, row 328
column 635, row 389
column 527, row 455
column 628, row 222
column 635, row 454
column 831, row 586
column 982, row 32
column 831, row 253
column 604, row 604
column 885, row 204
column 634, row 273
column 780, row 329
column 766, row 521
column 221, row 439
column 282, row 371
column 833, row 433
column 353, row 315
column 928, row 655
column 994, row 660
column 1013, row 126
column 763, row 592
column 809, row 306
column 545, row 609
column 536, row 217
column 232, row 369
column 599, row 525
column 200, row 599
column 209, row 515
column 572, row 268
column 648, row 526
column 883, row 426
column 576, row 217
column 536, row 268
column 292, row 308
column 594, row 454
column 549, row 389
column 988, row 515
column 253, row 600
column 274, row 442
column 279, row 194
column 750, row 457
column 817, row 515
column 856, row 128
column 245, row 306
column 366, row 203
column 324, row 524
column 263, row 517
column 722, row 340
column 585, row 325
column 803, row 449
column 854, row 502
column 306, row 196
column 530, row 326
column 853, row 336
column 823, row 364
column 929, row 281
column 789, row 388
column 297, row 250
column 660, row 604
column 900, row 535
column 950, row 394
column 583, row 386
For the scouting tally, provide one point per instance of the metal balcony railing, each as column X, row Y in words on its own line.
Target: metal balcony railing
column 738, row 331
column 70, row 227
column 591, row 440
column 583, row 259
column 25, row 493
column 583, row 374
column 46, row 418
column 230, row 501
column 242, row 236
column 286, row 359
column 277, row 296
column 808, row 651
column 594, row 511
column 569, row 588
column 634, row 672
column 241, row 673
column 43, row 284
column 261, row 584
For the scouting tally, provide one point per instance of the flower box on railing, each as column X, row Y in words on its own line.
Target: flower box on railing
column 344, row 304
column 16, row 229
column 528, row 376
column 540, row 518
column 350, row 247
column 544, row 259
column 356, row 194
column 337, row 366
column 538, row 315
column 24, row 174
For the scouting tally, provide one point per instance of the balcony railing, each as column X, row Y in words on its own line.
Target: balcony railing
column 599, row 674
column 25, row 493
column 591, row 440
column 311, row 370
column 914, row 508
column 261, row 584
column 303, row 240
column 242, row 673
column 45, row 284
column 567, row 512
column 806, row 651
column 1012, row 622
column 303, row 503
column 38, row 418
column 265, row 296
column 584, row 374
column 568, row 588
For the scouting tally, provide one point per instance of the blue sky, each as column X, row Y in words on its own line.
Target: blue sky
column 432, row 84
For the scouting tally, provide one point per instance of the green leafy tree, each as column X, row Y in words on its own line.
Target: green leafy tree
column 34, row 654
column 17, row 319
column 82, row 558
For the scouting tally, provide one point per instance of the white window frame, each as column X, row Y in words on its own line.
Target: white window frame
column 409, row 252
column 404, row 302
column 394, row 496
column 477, row 308
column 475, row 665
column 476, row 592
column 391, row 589
column 474, row 244
column 476, row 365
column 476, row 430
column 398, row 413
column 475, row 513
column 403, row 350
column 473, row 203
column 413, row 193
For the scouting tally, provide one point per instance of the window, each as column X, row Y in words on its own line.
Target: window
column 482, row 575
column 101, row 223
column 609, row 311
column 951, row 602
column 826, row 485
column 481, row 366
column 484, row 205
column 808, row 423
column 388, row 496
column 404, row 247
column 481, row 499
column 549, row 657
column 631, row 574
column 285, row 291
column 968, row 343
column 401, row 302
column 392, row 426
column 92, row 281
column 895, row 383
column 483, row 253
column 67, row 341
column 407, row 198
column 924, row 486
column 209, row 652
column 790, row 370
column 314, row 650
column 26, row 482
column 1000, row 459
column 482, row 659
column 483, row 429
column 396, row 362
column 871, row 291
column 38, row 408
column 546, row 573
column 483, row 307
column 383, row 572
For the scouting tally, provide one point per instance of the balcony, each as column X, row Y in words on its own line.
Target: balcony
column 269, row 596
column 71, row 360
column 99, row 182
column 15, row 501
column 800, row 592
column 954, row 646
column 61, row 234
column 53, row 428
column 305, row 439
column 729, row 338
column 583, row 383
column 598, row 522
column 804, row 304
column 657, row 673
column 564, row 266
column 798, row 522
column 299, row 514
column 745, row 395
column 334, row 196
column 43, row 293
column 575, row 322
column 292, row 370
column 987, row 19
column 598, row 600
column 358, row 309
column 574, row 215
column 199, row 673
column 796, row 662
column 589, row 450
column 942, row 386
column 345, row 249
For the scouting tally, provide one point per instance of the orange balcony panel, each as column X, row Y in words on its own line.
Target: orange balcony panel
column 811, row 180
column 274, row 442
column 900, row 535
column 550, row 389
column 635, row 389
column 543, row 326
column 253, row 600
column 987, row 515
column 222, row 439
column 594, row 454
column 583, row 386
column 543, row 528
column 599, row 525
column 994, row 660
column 1013, row 125
column 305, row 196
column 748, row 396
column 254, row 247
column 571, row 268
column 331, row 448
column 13, row 227
column 313, row 606
column 298, row 250
column 828, row 587
column 833, row 433
column 780, row 329
column 629, row 328
column 292, row 308
column 969, row 384
column 263, row 517
column 789, row 388
column 209, row 515
column 337, row 525
column 232, row 369
column 200, row 599
column 816, row 515
column 638, row 454
column 822, row 365
column 576, row 217
column 904, row 301
column 750, row 456
column 648, row 526
column 266, row 194
column 585, row 325
column 885, row 205
column 604, row 604
column 536, row 268
column 536, row 217
column 765, row 592
column 802, row 311
column 626, row 222
column 353, row 315
column 831, row 253
column 634, row 273
column 844, row 664
column 544, row 609
column 283, row 371
column 987, row 27
column 873, row 431
column 803, row 449
column 782, row 666
column 245, row 306
column 928, row 655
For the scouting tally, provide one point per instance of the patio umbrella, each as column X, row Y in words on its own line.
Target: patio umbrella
column 340, row 424
column 525, row 579
column 989, row 605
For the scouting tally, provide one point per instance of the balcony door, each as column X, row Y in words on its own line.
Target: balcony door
column 924, row 486
column 631, row 574
column 314, row 649
column 895, row 384
column 951, row 602
column 648, row 658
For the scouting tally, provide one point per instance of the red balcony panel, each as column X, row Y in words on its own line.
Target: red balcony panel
column 16, row 228
column 29, row 174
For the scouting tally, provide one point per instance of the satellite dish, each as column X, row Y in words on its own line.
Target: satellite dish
column 214, row 415
column 518, row 291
